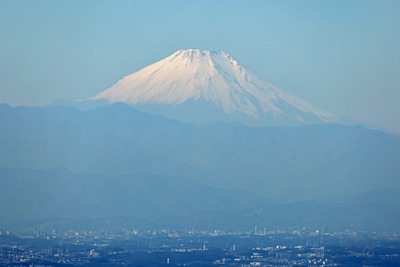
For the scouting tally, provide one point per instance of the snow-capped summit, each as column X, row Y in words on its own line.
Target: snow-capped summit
column 195, row 76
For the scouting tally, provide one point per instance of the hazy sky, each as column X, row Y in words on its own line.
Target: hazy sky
column 341, row 55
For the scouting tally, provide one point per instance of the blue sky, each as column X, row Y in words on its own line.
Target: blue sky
column 341, row 55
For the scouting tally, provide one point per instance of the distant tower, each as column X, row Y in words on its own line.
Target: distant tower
column 255, row 230
column 322, row 252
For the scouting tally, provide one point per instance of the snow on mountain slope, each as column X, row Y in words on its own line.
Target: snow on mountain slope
column 212, row 76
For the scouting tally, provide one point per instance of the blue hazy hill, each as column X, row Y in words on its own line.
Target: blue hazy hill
column 280, row 163
column 300, row 168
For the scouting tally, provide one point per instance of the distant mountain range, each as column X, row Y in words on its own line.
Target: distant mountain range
column 292, row 163
column 59, row 199
column 210, row 86
column 114, row 161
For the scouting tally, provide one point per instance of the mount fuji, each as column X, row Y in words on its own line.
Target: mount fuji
column 208, row 86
